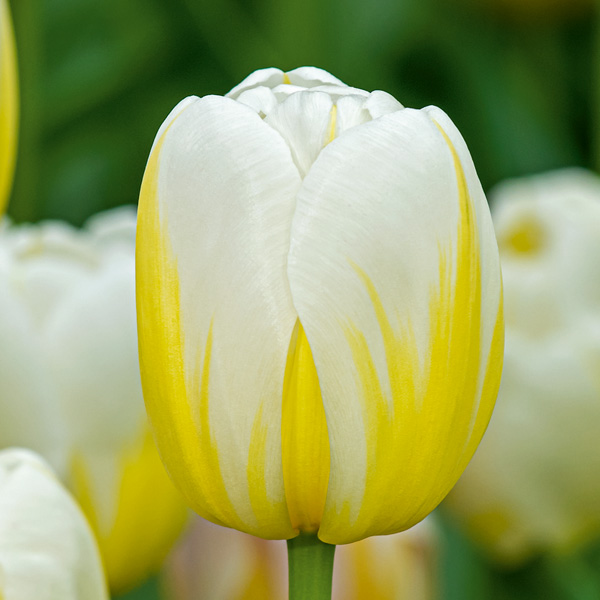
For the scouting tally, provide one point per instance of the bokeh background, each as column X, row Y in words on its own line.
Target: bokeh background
column 518, row 77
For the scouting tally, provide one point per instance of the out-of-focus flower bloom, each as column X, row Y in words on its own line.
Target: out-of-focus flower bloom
column 47, row 550
column 70, row 307
column 8, row 103
column 319, row 306
column 224, row 564
column 533, row 484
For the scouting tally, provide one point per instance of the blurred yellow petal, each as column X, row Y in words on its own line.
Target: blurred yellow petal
column 8, row 103
column 148, row 515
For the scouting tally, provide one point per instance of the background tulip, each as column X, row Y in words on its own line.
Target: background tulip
column 319, row 306
column 47, row 550
column 224, row 564
column 532, row 486
column 8, row 103
column 70, row 303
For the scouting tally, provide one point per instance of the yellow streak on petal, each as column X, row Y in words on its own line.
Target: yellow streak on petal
column 149, row 515
column 305, row 443
column 286, row 79
column 182, row 430
column 264, row 508
column 420, row 438
column 9, row 104
column 332, row 125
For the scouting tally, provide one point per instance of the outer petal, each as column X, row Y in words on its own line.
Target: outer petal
column 395, row 275
column 8, row 103
column 47, row 549
column 213, row 236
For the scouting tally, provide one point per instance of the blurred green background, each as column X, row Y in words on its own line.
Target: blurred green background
column 518, row 79
column 99, row 76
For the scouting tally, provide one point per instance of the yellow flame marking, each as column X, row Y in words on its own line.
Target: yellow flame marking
column 305, row 443
column 9, row 104
column 421, row 438
column 149, row 515
column 332, row 125
column 286, row 79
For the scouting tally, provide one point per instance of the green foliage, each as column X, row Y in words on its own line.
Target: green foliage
column 99, row 76
column 465, row 573
column 150, row 590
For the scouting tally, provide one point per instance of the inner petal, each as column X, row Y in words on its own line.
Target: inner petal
column 305, row 441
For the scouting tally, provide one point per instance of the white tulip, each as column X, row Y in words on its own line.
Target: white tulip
column 47, row 549
column 533, row 484
column 70, row 307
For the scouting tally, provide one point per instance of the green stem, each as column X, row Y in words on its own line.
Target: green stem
column 311, row 568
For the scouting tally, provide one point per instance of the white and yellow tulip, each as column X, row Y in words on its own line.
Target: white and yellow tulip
column 47, row 549
column 319, row 306
column 533, row 485
column 73, row 390
column 8, row 103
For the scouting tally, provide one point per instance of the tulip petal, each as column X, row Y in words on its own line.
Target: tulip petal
column 269, row 77
column 9, row 108
column 395, row 276
column 215, row 315
column 304, row 122
column 310, row 77
column 47, row 550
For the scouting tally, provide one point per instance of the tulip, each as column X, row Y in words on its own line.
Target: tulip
column 319, row 307
column 224, row 564
column 47, row 549
column 533, row 485
column 70, row 308
column 8, row 103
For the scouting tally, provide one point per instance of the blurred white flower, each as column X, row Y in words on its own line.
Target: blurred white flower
column 224, row 564
column 533, row 485
column 47, row 550
column 73, row 389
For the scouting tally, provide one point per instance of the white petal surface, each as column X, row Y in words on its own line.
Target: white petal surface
column 226, row 192
column 304, row 122
column 27, row 411
column 381, row 103
column 47, row 550
column 269, row 77
column 312, row 77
